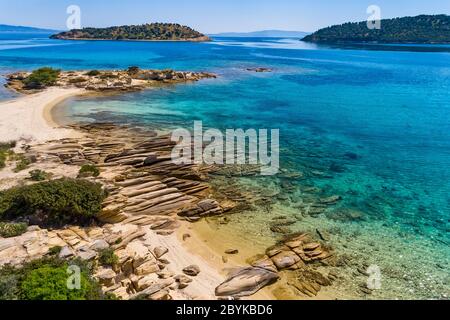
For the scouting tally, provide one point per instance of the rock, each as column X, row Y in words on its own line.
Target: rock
column 165, row 275
column 147, row 268
column 160, row 251
column 65, row 253
column 265, row 263
column 162, row 295
column 245, row 282
column 192, row 270
column 106, row 276
column 99, row 245
column 285, row 259
column 259, row 69
column 139, row 253
column 280, row 229
column 324, row 235
column 272, row 251
column 186, row 236
column 232, row 251
column 86, row 254
column 330, row 200
column 145, row 282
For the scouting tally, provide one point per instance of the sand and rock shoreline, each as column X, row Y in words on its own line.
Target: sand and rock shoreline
column 151, row 206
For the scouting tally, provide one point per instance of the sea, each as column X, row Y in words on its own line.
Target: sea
column 367, row 123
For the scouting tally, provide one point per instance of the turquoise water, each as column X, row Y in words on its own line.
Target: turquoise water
column 370, row 125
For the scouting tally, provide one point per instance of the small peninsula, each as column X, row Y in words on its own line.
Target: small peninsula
column 145, row 32
column 423, row 29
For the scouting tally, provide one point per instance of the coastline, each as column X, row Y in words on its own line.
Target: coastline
column 28, row 118
column 46, row 128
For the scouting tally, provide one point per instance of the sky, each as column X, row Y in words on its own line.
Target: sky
column 212, row 16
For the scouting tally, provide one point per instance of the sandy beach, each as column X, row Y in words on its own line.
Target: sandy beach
column 28, row 117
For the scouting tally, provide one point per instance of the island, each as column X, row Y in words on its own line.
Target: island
column 145, row 32
column 423, row 29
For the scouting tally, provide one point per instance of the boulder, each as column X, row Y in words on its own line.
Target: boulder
column 285, row 259
column 65, row 253
column 245, row 282
column 148, row 267
column 160, row 251
column 99, row 245
column 106, row 276
column 192, row 270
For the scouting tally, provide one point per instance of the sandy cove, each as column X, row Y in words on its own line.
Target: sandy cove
column 28, row 120
column 29, row 117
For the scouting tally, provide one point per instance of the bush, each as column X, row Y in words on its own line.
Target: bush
column 22, row 162
column 107, row 258
column 77, row 80
column 46, row 279
column 42, row 78
column 58, row 201
column 4, row 152
column 92, row 73
column 88, row 170
column 39, row 175
column 9, row 230
column 54, row 251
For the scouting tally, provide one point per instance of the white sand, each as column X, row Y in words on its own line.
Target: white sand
column 28, row 117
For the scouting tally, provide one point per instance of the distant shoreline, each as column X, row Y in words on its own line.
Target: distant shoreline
column 132, row 40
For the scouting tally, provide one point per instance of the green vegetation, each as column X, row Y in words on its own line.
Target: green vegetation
column 420, row 29
column 152, row 31
column 46, row 279
column 77, row 80
column 22, row 162
column 9, row 230
column 41, row 78
column 107, row 257
column 54, row 202
column 54, row 251
column 92, row 73
column 88, row 170
column 39, row 175
column 5, row 152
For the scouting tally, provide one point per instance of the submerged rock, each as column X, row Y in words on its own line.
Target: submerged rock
column 246, row 282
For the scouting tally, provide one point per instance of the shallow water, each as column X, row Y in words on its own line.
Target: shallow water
column 370, row 126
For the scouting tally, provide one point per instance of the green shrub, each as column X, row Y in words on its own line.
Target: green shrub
column 22, row 162
column 46, row 279
column 54, row 251
column 9, row 230
column 4, row 152
column 107, row 258
column 77, row 80
column 39, row 175
column 92, row 73
column 88, row 170
column 42, row 78
column 55, row 202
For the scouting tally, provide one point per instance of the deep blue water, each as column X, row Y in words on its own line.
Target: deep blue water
column 375, row 123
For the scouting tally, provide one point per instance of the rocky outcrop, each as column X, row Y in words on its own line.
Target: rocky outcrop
column 246, row 282
column 133, row 79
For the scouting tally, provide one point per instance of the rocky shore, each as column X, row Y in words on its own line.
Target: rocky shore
column 133, row 79
column 151, row 203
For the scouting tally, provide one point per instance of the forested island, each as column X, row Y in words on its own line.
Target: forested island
column 423, row 29
column 146, row 32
